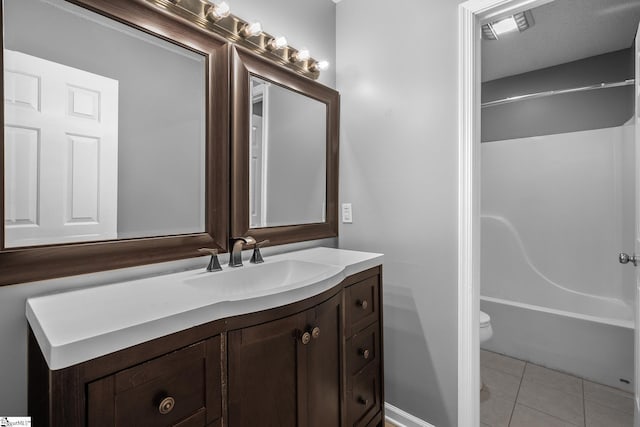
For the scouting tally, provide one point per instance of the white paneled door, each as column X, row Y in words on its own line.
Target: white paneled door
column 61, row 153
column 257, row 157
column 258, row 152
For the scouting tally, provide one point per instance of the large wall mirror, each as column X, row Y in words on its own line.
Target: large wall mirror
column 115, row 137
column 284, row 153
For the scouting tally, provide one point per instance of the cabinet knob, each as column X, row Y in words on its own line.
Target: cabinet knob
column 364, row 353
column 166, row 405
column 363, row 401
column 363, row 304
column 305, row 338
column 315, row 332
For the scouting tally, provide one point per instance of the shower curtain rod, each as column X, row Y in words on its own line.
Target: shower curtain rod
column 627, row 82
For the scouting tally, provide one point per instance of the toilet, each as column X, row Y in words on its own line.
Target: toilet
column 486, row 332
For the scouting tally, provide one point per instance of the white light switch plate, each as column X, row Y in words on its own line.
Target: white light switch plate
column 347, row 216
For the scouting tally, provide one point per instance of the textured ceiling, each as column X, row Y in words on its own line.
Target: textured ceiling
column 564, row 31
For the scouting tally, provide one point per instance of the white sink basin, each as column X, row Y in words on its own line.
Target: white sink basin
column 253, row 281
column 80, row 325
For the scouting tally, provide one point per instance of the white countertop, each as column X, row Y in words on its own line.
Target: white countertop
column 73, row 327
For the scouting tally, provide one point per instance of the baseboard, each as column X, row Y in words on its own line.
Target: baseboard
column 403, row 419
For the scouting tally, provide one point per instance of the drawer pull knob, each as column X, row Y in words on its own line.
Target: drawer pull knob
column 305, row 338
column 364, row 353
column 166, row 405
column 363, row 401
column 363, row 304
column 315, row 333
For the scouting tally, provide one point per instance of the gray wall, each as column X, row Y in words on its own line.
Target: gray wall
column 297, row 145
column 160, row 160
column 398, row 151
column 313, row 22
column 560, row 113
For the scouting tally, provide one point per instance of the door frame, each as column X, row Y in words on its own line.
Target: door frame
column 636, row 346
column 470, row 16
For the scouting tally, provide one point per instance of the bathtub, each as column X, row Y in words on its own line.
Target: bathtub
column 549, row 323
column 597, row 349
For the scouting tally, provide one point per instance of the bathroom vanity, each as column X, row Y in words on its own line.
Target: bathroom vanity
column 296, row 341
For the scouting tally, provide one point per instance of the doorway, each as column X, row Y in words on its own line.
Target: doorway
column 472, row 14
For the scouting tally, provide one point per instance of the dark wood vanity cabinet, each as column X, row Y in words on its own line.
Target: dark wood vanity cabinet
column 287, row 372
column 313, row 363
column 364, row 352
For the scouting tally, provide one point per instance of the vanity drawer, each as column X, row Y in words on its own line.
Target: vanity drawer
column 362, row 304
column 363, row 348
column 172, row 390
column 363, row 396
column 175, row 381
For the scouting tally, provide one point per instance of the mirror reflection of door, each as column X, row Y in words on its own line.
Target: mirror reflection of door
column 257, row 153
column 85, row 161
column 287, row 157
column 61, row 153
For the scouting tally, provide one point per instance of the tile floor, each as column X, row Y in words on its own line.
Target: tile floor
column 521, row 394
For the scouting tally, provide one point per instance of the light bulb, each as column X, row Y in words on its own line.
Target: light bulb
column 251, row 30
column 218, row 11
column 277, row 43
column 323, row 65
column 319, row 65
column 301, row 55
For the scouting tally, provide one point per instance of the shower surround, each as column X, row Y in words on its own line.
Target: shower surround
column 556, row 211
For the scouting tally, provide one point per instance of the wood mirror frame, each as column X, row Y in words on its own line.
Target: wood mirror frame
column 245, row 65
column 25, row 264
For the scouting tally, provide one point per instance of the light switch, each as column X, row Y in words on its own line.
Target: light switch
column 347, row 217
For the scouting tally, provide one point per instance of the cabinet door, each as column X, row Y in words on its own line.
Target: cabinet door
column 323, row 362
column 266, row 374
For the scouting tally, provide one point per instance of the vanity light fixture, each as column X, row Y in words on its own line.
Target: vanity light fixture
column 216, row 12
column 215, row 16
column 300, row 55
column 277, row 43
column 518, row 22
column 251, row 30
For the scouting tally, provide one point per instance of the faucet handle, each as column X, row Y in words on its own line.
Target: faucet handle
column 211, row 251
column 260, row 243
column 214, row 264
column 256, row 257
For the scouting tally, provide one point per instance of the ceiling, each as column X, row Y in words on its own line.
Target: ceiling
column 564, row 31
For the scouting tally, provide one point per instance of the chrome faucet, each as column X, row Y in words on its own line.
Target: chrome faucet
column 235, row 257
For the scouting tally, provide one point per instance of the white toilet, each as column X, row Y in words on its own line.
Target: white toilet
column 486, row 332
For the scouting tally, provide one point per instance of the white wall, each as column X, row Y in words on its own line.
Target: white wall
column 397, row 74
column 569, row 198
column 308, row 21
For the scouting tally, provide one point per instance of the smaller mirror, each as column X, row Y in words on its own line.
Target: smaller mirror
column 284, row 153
column 287, row 169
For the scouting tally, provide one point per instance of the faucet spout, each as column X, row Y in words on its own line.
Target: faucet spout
column 237, row 243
